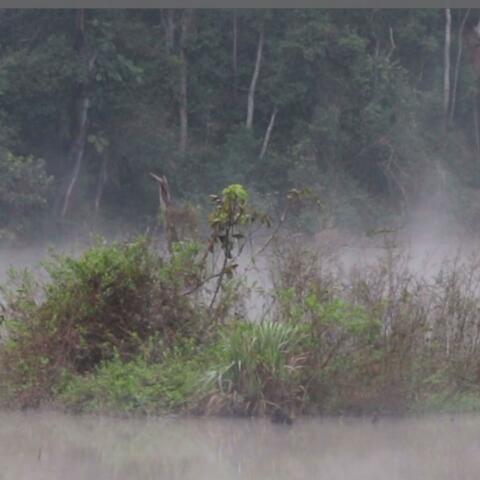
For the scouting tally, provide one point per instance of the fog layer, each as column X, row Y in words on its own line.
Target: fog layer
column 52, row 446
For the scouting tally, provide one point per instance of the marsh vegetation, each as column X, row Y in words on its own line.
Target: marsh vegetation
column 131, row 328
column 325, row 138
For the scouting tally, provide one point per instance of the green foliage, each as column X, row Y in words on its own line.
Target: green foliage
column 448, row 402
column 232, row 212
column 358, row 95
column 105, row 296
column 261, row 366
column 115, row 330
column 352, row 320
column 184, row 266
column 24, row 187
column 230, row 208
column 108, row 301
column 136, row 386
column 114, row 386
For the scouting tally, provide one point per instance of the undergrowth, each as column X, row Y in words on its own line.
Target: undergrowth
column 122, row 329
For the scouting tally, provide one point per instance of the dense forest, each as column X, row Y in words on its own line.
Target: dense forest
column 371, row 110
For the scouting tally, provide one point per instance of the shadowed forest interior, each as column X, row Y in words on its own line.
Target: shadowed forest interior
column 374, row 111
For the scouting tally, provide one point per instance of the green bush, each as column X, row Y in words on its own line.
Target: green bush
column 138, row 385
column 108, row 301
column 346, row 349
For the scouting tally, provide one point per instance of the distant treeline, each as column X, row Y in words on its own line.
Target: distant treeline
column 365, row 107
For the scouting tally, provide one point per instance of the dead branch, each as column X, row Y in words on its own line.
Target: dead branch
column 167, row 209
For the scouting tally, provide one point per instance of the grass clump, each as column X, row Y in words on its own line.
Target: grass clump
column 260, row 368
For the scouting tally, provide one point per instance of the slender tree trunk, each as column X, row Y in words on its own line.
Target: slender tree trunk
column 80, row 30
column 393, row 46
column 446, row 71
column 183, row 104
column 253, row 83
column 77, row 150
column 268, row 133
column 183, row 94
column 457, row 66
column 82, row 105
column 476, row 68
column 170, row 31
column 235, row 54
column 375, row 65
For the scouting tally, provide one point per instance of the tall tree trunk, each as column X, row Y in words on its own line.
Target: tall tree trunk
column 446, row 71
column 183, row 105
column 170, row 30
column 457, row 66
column 253, row 83
column 82, row 105
column 235, row 54
column 268, row 133
column 77, row 150
column 183, row 94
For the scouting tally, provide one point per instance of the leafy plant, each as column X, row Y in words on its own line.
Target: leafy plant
column 232, row 213
column 136, row 386
column 24, row 187
column 261, row 366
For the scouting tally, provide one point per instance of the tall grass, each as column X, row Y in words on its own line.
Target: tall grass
column 261, row 367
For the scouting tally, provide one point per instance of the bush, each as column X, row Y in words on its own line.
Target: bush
column 385, row 337
column 109, row 301
column 138, row 385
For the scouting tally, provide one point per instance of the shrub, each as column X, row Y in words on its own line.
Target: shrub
column 138, row 385
column 110, row 300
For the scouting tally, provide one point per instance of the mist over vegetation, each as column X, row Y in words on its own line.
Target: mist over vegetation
column 260, row 154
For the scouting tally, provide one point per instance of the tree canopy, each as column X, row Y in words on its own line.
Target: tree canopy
column 349, row 103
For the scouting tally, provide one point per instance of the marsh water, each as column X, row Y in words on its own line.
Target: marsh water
column 38, row 446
